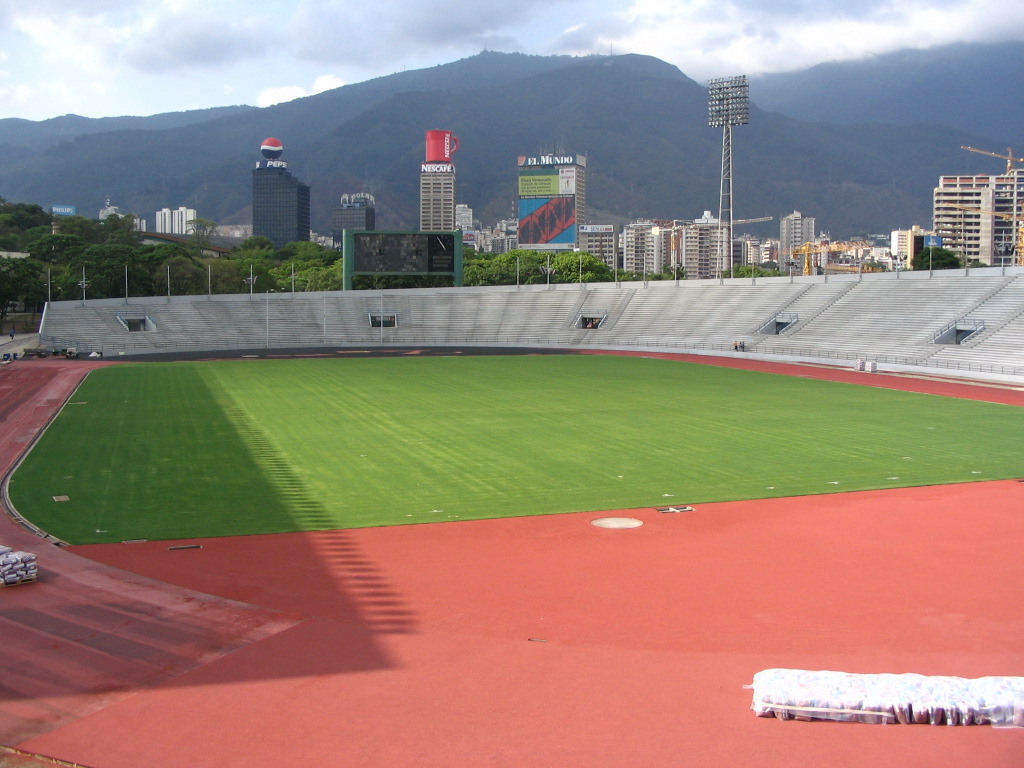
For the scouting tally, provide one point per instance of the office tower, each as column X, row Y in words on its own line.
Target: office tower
column 794, row 230
column 175, row 222
column 601, row 242
column 552, row 201
column 355, row 212
column 437, row 183
column 280, row 202
column 979, row 217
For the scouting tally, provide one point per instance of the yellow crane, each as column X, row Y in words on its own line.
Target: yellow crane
column 1019, row 245
column 817, row 248
column 1008, row 157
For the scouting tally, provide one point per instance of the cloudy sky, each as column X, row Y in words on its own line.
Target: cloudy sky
column 101, row 58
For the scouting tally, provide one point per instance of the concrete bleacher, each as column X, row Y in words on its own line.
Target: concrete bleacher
column 887, row 317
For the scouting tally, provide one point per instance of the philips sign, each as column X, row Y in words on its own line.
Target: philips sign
column 64, row 210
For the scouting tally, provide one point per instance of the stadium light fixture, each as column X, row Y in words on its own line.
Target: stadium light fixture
column 728, row 105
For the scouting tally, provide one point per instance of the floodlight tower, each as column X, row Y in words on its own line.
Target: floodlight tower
column 728, row 105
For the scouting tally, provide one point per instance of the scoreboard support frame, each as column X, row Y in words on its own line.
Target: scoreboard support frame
column 357, row 261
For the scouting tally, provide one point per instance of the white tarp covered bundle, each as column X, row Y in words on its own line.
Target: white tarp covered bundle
column 885, row 698
column 17, row 567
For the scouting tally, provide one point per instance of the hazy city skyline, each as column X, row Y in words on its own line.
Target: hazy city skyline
column 99, row 58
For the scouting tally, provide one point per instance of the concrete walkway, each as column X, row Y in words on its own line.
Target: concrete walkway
column 18, row 344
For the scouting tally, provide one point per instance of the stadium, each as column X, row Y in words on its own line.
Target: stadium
column 360, row 528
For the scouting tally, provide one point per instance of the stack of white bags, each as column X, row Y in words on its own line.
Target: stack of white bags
column 908, row 698
column 17, row 567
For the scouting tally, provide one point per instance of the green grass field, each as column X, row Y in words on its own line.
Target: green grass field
column 181, row 450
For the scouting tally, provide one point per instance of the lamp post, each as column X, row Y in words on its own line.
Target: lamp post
column 547, row 270
column 268, row 317
column 251, row 280
column 83, row 284
column 517, row 271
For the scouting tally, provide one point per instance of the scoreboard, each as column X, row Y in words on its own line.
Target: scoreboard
column 401, row 253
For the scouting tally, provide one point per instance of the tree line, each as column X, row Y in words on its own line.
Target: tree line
column 109, row 257
column 112, row 261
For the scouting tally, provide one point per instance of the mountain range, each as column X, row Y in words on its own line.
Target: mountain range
column 838, row 141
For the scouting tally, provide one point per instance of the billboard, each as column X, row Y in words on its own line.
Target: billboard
column 597, row 229
column 547, row 221
column 440, row 146
column 541, row 160
column 63, row 210
column 932, row 241
column 567, row 181
column 437, row 168
column 541, row 183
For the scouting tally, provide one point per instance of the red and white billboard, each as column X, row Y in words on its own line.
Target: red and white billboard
column 440, row 146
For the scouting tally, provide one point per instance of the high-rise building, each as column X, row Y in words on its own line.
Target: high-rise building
column 697, row 247
column 437, row 183
column 601, row 242
column 356, row 212
column 794, row 230
column 646, row 246
column 904, row 243
column 463, row 217
column 175, row 222
column 280, row 202
column 978, row 217
column 552, row 201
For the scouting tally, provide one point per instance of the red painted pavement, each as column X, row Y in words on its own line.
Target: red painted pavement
column 545, row 641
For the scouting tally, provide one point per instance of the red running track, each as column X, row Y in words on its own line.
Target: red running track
column 545, row 641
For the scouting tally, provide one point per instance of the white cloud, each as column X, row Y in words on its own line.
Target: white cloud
column 707, row 39
column 327, row 83
column 280, row 94
column 162, row 56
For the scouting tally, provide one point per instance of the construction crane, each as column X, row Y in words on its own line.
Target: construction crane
column 1008, row 157
column 745, row 221
column 1018, row 246
column 752, row 221
column 817, row 248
